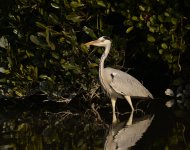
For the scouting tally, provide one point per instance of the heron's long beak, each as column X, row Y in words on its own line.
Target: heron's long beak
column 92, row 43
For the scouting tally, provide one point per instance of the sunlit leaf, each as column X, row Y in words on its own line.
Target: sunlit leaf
column 53, row 18
column 54, row 5
column 174, row 21
column 42, row 76
column 36, row 72
column 152, row 29
column 74, row 17
column 3, row 70
column 50, row 43
column 129, row 29
column 164, row 46
column 29, row 54
column 141, row 17
column 18, row 93
column 92, row 65
column 69, row 66
column 4, row 42
column 40, row 25
column 89, row 32
column 160, row 51
column 23, row 127
column 29, row 78
column 160, row 18
column 84, row 48
column 62, row 61
column 36, row 40
column 135, row 18
column 150, row 38
column 10, row 64
column 62, row 39
column 152, row 19
column 55, row 55
column 101, row 3
column 166, row 14
column 141, row 8
column 75, row 4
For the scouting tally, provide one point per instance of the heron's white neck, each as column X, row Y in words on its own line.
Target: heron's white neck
column 103, row 57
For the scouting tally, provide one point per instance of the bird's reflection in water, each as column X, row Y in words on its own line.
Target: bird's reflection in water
column 124, row 135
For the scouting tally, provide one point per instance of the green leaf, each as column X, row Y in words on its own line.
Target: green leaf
column 45, row 77
column 18, row 93
column 54, row 5
column 75, row 4
column 4, row 42
column 50, row 44
column 92, row 65
column 152, row 29
column 174, row 21
column 166, row 14
column 141, row 8
column 55, row 55
column 164, row 46
column 69, row 66
column 3, row 70
column 160, row 18
column 129, row 29
column 153, row 19
column 134, row 18
column 53, row 18
column 62, row 61
column 89, row 32
column 36, row 40
column 36, row 72
column 160, row 51
column 84, row 48
column 74, row 18
column 150, row 38
column 29, row 54
column 29, row 78
column 23, row 127
column 101, row 3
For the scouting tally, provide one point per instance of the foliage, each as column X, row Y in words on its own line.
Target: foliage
column 41, row 41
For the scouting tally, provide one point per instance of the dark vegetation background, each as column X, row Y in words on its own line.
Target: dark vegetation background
column 41, row 43
column 41, row 46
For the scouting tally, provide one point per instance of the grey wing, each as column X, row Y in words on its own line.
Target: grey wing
column 129, row 135
column 125, row 84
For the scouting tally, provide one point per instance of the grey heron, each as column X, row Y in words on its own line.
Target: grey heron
column 116, row 83
column 122, row 136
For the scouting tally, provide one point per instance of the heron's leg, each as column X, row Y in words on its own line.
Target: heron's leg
column 113, row 101
column 128, row 98
column 130, row 120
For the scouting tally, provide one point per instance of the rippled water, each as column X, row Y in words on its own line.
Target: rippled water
column 31, row 124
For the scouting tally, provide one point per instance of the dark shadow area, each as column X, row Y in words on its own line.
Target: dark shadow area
column 38, row 123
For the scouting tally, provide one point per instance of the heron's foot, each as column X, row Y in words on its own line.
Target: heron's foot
column 114, row 120
column 130, row 120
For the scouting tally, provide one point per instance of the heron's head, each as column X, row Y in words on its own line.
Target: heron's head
column 103, row 41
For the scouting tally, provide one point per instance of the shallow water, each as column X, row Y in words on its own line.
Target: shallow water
column 36, row 125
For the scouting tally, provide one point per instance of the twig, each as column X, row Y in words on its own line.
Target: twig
column 178, row 63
